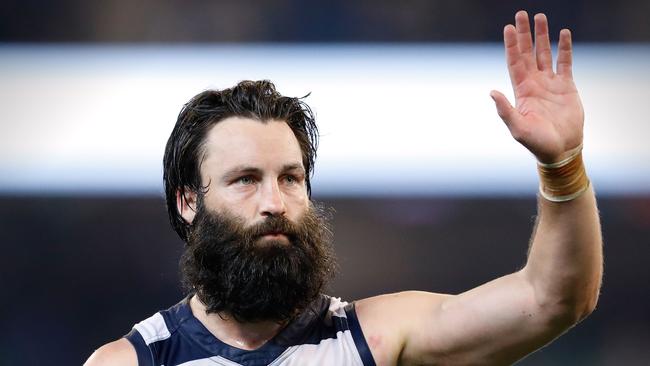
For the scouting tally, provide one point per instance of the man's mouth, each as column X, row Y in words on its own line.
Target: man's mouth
column 277, row 236
column 274, row 234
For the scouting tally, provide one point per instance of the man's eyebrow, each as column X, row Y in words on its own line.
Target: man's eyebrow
column 239, row 170
column 295, row 166
column 246, row 169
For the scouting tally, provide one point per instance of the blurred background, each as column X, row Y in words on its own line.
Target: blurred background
column 430, row 191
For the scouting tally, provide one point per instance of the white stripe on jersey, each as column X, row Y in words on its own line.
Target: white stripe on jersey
column 153, row 329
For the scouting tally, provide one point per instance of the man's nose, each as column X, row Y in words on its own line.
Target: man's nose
column 272, row 200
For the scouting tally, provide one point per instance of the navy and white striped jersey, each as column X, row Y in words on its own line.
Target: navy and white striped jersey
column 327, row 333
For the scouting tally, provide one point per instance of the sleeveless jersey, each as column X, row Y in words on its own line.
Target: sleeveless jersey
column 326, row 333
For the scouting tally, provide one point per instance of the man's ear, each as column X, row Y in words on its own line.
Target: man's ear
column 186, row 205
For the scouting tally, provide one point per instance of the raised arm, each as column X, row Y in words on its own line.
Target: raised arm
column 504, row 320
column 565, row 259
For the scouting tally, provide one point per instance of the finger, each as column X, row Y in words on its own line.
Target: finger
column 564, row 54
column 515, row 63
column 524, row 38
column 543, row 44
column 505, row 110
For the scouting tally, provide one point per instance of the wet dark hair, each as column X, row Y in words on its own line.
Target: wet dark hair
column 185, row 149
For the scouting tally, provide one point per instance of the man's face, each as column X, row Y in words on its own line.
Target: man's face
column 257, row 250
column 254, row 170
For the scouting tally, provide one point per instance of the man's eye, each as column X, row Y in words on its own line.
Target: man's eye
column 291, row 179
column 245, row 180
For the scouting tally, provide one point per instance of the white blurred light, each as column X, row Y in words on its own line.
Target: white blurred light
column 413, row 119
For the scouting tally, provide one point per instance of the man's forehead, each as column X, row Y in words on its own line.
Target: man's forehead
column 237, row 125
column 240, row 141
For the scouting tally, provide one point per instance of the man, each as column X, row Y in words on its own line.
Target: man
column 237, row 169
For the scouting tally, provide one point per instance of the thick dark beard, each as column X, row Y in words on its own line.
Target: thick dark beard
column 233, row 273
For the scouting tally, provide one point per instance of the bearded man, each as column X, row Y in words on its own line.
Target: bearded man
column 237, row 180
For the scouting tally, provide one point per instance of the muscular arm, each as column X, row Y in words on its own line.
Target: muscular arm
column 116, row 353
column 505, row 319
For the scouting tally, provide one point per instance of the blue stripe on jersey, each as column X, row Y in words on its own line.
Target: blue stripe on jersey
column 357, row 335
column 197, row 342
column 188, row 339
column 309, row 328
column 145, row 357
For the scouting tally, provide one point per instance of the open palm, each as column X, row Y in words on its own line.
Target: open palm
column 548, row 116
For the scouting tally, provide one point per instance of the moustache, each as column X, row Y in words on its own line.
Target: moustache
column 274, row 225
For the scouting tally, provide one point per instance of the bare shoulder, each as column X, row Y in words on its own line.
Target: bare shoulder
column 120, row 352
column 387, row 321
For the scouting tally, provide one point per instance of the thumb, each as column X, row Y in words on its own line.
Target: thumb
column 504, row 108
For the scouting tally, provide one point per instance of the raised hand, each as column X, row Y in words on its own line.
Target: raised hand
column 548, row 116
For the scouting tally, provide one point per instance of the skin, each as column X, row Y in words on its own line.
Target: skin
column 506, row 319
column 494, row 324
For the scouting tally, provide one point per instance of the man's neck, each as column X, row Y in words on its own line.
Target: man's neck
column 247, row 336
